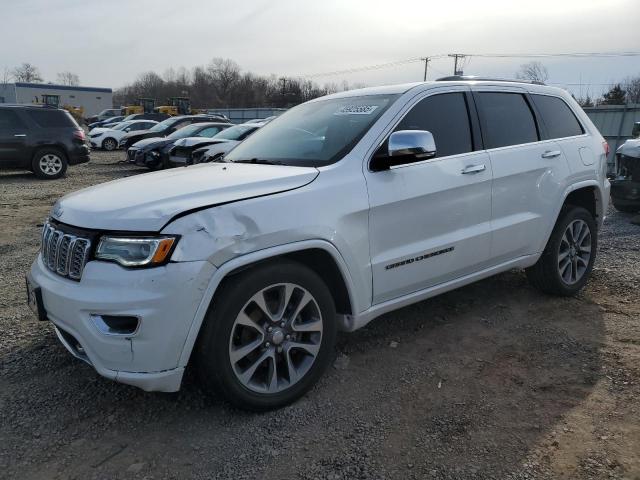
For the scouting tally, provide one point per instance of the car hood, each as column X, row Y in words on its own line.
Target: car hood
column 96, row 130
column 222, row 147
column 152, row 142
column 630, row 148
column 148, row 202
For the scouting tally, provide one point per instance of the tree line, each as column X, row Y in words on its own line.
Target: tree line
column 222, row 84
column 624, row 92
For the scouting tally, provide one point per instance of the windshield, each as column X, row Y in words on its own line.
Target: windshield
column 121, row 126
column 159, row 127
column 315, row 133
column 184, row 132
column 239, row 132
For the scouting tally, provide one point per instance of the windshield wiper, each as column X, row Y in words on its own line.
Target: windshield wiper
column 259, row 161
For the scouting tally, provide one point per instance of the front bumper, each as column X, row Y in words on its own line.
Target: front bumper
column 164, row 299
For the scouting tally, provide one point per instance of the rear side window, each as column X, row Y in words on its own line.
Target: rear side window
column 446, row 117
column 10, row 120
column 51, row 118
column 508, row 119
column 557, row 117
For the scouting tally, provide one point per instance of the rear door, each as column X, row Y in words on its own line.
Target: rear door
column 13, row 138
column 529, row 173
column 429, row 221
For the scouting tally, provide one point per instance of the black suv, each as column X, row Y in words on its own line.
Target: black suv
column 167, row 127
column 41, row 139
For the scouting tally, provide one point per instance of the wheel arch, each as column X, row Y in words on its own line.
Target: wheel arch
column 319, row 255
column 586, row 194
column 49, row 146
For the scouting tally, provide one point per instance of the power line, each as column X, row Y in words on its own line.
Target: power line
column 458, row 56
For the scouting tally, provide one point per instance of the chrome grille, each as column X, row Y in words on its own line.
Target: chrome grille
column 64, row 253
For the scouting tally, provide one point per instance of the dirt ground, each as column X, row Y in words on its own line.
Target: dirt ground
column 493, row 381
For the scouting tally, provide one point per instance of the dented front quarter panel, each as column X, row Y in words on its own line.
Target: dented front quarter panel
column 332, row 208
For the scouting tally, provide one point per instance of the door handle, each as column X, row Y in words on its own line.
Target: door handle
column 20, row 135
column 551, row 154
column 474, row 169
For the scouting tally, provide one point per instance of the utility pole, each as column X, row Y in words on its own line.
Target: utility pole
column 426, row 61
column 455, row 57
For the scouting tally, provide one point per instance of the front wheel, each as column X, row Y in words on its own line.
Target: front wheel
column 567, row 260
column 268, row 336
column 109, row 144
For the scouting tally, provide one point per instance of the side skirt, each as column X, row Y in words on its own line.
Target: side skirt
column 354, row 322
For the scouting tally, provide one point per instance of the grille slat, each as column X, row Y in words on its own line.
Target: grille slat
column 64, row 253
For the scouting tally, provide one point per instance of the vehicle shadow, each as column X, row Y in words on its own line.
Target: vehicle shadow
column 464, row 385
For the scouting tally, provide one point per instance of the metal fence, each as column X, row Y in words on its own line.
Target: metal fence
column 615, row 123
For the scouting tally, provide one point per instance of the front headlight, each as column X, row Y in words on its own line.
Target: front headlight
column 136, row 251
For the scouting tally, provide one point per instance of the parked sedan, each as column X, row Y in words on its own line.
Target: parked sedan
column 220, row 145
column 106, row 123
column 153, row 152
column 108, row 138
column 167, row 127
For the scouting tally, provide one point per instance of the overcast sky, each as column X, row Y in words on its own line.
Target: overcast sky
column 107, row 43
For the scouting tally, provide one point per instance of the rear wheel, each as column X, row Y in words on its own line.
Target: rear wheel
column 49, row 164
column 109, row 144
column 567, row 260
column 268, row 337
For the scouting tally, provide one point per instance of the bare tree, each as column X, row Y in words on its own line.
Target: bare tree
column 68, row 78
column 27, row 73
column 631, row 86
column 533, row 72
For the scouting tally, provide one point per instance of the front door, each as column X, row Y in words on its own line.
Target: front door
column 430, row 221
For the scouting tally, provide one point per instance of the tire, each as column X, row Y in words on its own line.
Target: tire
column 49, row 163
column 552, row 274
column 625, row 208
column 236, row 324
column 109, row 144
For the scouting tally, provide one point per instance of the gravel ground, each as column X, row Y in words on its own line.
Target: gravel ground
column 492, row 381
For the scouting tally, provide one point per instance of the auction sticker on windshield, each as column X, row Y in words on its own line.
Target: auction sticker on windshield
column 356, row 110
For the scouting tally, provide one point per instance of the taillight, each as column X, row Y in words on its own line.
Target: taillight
column 607, row 149
column 79, row 134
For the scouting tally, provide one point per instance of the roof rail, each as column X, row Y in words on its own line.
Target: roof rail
column 467, row 78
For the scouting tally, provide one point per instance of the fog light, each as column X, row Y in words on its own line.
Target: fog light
column 116, row 324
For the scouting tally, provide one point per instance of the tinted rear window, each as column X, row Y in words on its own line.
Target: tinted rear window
column 557, row 116
column 51, row 118
column 508, row 119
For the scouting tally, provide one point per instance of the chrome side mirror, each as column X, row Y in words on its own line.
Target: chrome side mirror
column 404, row 146
column 417, row 143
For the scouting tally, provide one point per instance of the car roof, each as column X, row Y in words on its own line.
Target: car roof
column 446, row 81
column 29, row 106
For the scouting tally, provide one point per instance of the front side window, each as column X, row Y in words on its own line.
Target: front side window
column 508, row 119
column 316, row 133
column 446, row 117
column 557, row 117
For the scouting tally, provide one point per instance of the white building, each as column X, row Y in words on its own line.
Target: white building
column 92, row 99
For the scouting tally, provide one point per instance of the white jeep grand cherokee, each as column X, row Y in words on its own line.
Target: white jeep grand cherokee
column 342, row 209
